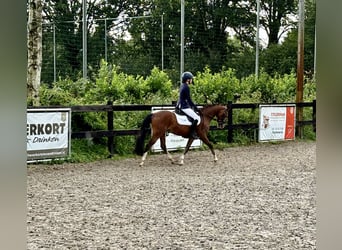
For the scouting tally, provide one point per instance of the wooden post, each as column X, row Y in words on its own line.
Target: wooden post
column 314, row 115
column 110, row 127
column 300, row 66
column 230, row 122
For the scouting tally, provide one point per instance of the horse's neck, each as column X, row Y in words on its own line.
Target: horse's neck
column 210, row 112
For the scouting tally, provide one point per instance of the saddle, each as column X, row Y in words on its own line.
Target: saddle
column 183, row 118
column 178, row 111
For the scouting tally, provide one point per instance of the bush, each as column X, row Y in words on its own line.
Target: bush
column 159, row 83
column 110, row 84
column 215, row 88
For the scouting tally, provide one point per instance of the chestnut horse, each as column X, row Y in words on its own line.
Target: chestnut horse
column 166, row 121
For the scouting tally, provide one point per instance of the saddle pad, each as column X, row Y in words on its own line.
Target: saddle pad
column 183, row 120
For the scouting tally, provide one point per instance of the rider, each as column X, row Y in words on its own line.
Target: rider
column 186, row 104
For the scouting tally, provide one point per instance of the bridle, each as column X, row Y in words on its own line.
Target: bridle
column 219, row 121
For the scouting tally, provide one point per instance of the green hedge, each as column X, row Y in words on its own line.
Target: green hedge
column 210, row 88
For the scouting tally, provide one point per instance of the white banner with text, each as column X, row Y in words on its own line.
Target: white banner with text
column 48, row 133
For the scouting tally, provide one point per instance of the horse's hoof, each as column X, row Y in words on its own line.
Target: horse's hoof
column 141, row 164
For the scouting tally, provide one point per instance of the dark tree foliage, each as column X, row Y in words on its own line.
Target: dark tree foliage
column 277, row 12
column 282, row 58
column 66, row 16
column 218, row 34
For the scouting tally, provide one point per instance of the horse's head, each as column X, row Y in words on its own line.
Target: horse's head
column 222, row 116
column 218, row 111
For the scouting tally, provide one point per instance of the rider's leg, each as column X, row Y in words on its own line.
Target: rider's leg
column 193, row 126
column 195, row 120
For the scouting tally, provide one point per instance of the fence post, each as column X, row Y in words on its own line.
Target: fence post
column 314, row 115
column 230, row 122
column 110, row 127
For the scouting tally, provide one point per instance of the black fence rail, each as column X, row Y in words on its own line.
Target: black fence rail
column 110, row 132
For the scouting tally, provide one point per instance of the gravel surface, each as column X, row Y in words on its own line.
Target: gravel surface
column 255, row 197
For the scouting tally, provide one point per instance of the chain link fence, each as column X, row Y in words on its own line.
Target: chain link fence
column 121, row 41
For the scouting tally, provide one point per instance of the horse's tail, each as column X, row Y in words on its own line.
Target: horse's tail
column 145, row 129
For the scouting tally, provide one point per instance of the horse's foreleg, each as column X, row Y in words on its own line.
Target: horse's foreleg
column 187, row 147
column 164, row 148
column 211, row 147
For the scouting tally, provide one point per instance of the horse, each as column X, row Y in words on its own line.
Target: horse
column 163, row 121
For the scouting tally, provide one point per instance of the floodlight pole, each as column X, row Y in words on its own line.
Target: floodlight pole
column 105, row 35
column 84, row 35
column 54, row 54
column 257, row 42
column 182, row 40
column 162, row 40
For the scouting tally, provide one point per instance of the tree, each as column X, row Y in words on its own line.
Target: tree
column 34, row 50
column 282, row 58
column 218, row 34
column 66, row 16
column 276, row 18
column 206, row 31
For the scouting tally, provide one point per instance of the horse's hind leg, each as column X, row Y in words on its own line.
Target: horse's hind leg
column 147, row 148
column 143, row 159
column 163, row 146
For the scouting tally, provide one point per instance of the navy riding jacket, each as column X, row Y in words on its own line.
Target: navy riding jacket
column 184, row 100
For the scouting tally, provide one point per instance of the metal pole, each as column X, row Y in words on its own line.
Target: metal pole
column 84, row 46
column 162, row 41
column 300, row 64
column 315, row 50
column 182, row 40
column 54, row 53
column 105, row 38
column 257, row 42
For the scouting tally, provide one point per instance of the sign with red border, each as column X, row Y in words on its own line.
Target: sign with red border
column 277, row 122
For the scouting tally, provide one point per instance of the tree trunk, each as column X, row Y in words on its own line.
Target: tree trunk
column 34, row 51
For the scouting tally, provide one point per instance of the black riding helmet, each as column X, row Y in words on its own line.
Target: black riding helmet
column 187, row 75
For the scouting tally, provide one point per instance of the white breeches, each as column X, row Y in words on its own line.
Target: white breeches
column 192, row 114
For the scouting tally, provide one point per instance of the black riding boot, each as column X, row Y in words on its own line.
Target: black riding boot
column 193, row 133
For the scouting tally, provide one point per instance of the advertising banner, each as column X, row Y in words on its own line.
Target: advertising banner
column 173, row 142
column 277, row 122
column 48, row 133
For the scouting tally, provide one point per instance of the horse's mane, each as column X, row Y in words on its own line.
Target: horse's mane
column 211, row 105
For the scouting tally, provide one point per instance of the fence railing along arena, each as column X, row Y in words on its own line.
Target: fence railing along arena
column 111, row 133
